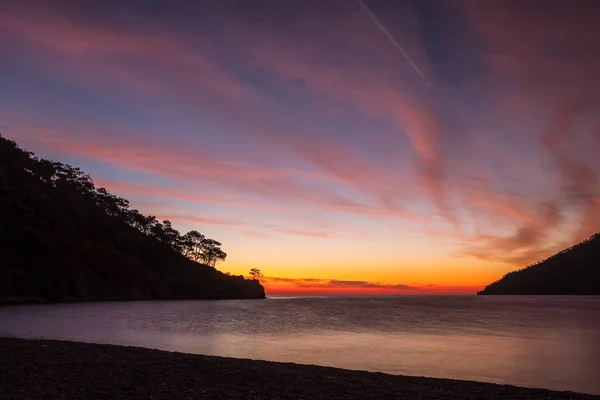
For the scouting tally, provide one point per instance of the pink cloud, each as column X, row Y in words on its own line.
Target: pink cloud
column 131, row 150
column 316, row 286
column 178, row 194
column 184, row 72
column 313, row 234
column 354, row 69
column 551, row 69
column 281, row 188
column 93, row 50
column 373, row 95
column 197, row 220
column 589, row 222
column 315, row 283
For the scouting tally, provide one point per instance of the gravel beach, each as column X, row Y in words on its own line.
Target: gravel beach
column 44, row 369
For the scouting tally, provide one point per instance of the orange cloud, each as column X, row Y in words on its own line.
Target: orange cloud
column 333, row 287
column 589, row 222
column 276, row 285
column 528, row 243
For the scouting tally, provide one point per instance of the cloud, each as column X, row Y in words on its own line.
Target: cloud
column 315, row 286
column 180, row 194
column 278, row 188
column 549, row 74
column 163, row 61
column 528, row 243
column 580, row 184
column 177, row 66
column 197, row 220
column 373, row 92
column 589, row 221
column 137, row 150
column 297, row 232
column 315, row 283
column 324, row 117
column 185, row 163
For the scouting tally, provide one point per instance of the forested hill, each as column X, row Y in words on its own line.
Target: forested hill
column 573, row 271
column 61, row 238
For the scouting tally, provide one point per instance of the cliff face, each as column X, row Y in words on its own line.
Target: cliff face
column 573, row 271
column 61, row 238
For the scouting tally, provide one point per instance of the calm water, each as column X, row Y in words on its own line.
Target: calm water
column 551, row 342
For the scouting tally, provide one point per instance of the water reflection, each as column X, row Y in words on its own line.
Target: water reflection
column 529, row 341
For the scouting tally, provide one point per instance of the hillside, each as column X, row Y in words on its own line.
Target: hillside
column 573, row 271
column 61, row 238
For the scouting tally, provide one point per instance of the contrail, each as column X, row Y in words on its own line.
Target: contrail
column 392, row 40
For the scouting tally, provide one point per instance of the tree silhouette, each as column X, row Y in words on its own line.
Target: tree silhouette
column 171, row 236
column 60, row 237
column 212, row 253
column 191, row 245
column 256, row 274
column 573, row 271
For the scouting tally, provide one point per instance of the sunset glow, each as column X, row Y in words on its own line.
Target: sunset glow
column 337, row 159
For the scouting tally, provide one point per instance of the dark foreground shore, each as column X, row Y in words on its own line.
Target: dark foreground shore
column 31, row 369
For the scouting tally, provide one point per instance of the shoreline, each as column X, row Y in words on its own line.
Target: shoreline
column 61, row 369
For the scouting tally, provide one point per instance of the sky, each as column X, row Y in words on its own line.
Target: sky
column 340, row 146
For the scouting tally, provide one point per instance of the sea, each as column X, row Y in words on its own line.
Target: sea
column 550, row 342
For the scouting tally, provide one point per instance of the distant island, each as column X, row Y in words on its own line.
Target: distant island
column 64, row 239
column 573, row 271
